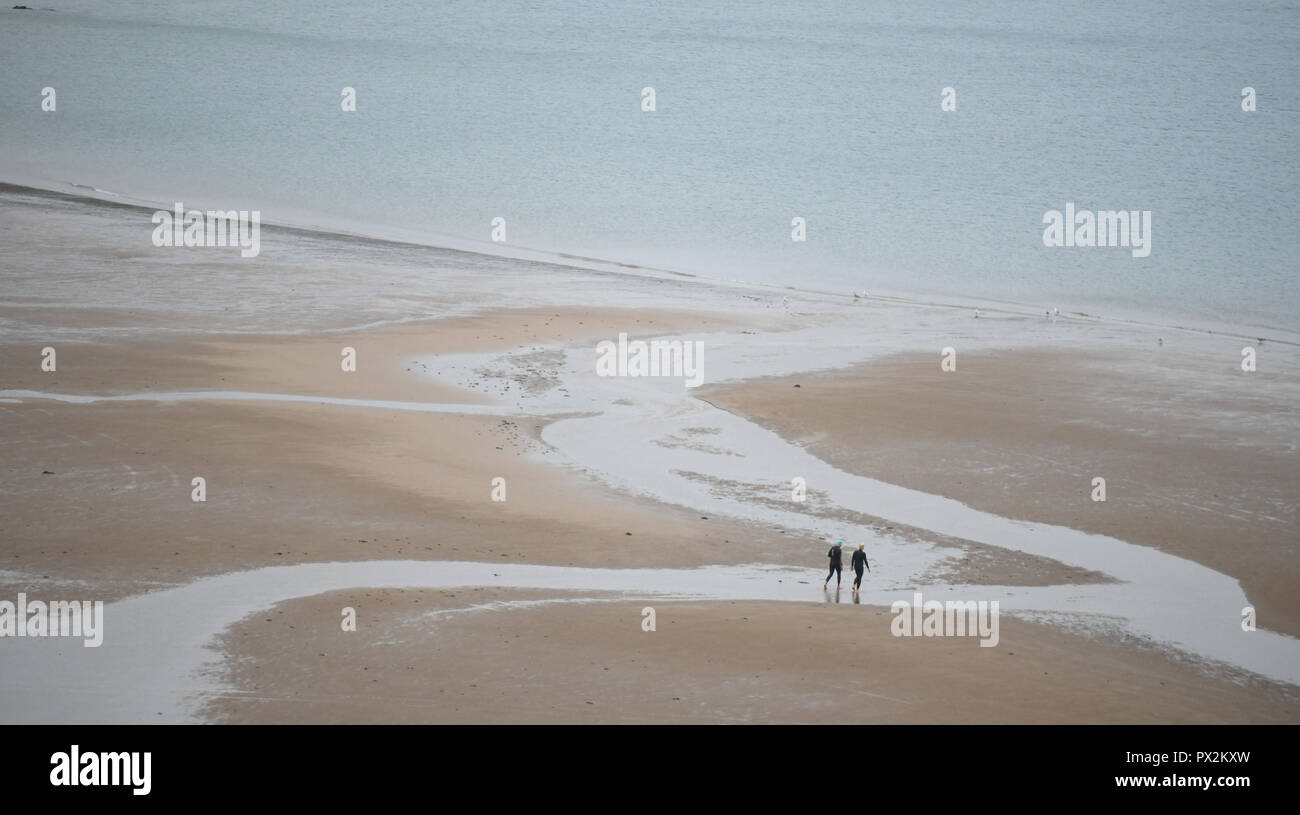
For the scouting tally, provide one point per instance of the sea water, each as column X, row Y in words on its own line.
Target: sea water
column 764, row 112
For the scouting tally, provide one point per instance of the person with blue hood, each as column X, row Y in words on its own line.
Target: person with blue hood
column 837, row 564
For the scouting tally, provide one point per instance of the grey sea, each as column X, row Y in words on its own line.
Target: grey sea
column 763, row 113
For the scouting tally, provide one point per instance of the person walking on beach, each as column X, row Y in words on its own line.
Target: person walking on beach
column 836, row 556
column 859, row 563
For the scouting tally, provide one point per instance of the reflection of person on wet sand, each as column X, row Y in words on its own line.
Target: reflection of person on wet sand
column 835, row 554
column 859, row 562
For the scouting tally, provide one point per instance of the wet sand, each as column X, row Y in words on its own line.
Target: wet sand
column 95, row 497
column 101, row 494
column 1198, row 461
column 466, row 656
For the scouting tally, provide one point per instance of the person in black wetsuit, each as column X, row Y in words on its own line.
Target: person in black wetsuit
column 836, row 556
column 859, row 563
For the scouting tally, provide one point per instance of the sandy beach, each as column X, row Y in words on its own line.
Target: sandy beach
column 1022, row 433
column 625, row 493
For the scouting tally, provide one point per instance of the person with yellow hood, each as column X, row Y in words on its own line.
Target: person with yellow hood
column 859, row 563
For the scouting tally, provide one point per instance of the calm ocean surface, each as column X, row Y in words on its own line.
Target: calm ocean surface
column 467, row 111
